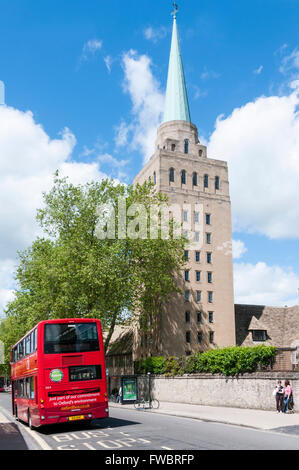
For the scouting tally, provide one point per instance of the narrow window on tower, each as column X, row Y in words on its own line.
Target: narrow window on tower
column 199, row 317
column 171, row 175
column 217, row 182
column 208, row 238
column 155, row 178
column 188, row 337
column 186, row 146
column 173, row 147
column 210, row 277
column 197, row 256
column 194, row 179
column 198, row 296
column 187, row 317
column 187, row 295
column 197, row 276
column 186, row 275
column 208, row 219
column 206, row 181
column 211, row 337
column 199, row 337
column 183, row 177
column 210, row 297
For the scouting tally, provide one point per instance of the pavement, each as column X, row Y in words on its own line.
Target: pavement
column 10, row 436
column 256, row 419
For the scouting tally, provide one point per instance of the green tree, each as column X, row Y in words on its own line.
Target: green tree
column 72, row 272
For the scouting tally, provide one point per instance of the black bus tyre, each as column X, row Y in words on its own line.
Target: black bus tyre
column 29, row 421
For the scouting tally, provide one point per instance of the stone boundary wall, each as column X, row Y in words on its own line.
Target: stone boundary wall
column 253, row 391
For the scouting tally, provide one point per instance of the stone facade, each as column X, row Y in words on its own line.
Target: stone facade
column 275, row 326
column 196, row 324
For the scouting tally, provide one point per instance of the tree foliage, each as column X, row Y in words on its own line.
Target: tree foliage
column 72, row 272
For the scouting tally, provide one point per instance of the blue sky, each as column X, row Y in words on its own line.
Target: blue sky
column 41, row 46
column 98, row 67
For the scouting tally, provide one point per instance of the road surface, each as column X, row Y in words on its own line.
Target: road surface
column 142, row 430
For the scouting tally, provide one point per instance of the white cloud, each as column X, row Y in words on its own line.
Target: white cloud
column 116, row 166
column 238, row 248
column 106, row 158
column 155, row 34
column 260, row 284
column 208, row 74
column 90, row 48
column 258, row 71
column 290, row 62
column 108, row 62
column 122, row 134
column 2, row 93
column 28, row 160
column 260, row 142
column 147, row 100
column 281, row 49
column 199, row 93
column 7, row 267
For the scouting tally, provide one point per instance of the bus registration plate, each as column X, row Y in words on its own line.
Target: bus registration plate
column 76, row 418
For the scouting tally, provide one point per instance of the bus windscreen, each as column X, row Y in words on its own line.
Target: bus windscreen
column 62, row 338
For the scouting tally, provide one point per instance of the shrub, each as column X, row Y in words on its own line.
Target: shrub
column 227, row 361
column 155, row 365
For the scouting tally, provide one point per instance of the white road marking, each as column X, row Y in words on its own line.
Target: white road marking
column 34, row 434
column 3, row 418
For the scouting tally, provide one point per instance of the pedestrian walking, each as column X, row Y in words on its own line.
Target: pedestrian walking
column 119, row 395
column 288, row 394
column 279, row 395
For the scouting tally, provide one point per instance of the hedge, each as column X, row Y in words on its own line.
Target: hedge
column 227, row 361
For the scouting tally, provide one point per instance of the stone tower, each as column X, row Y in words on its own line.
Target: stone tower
column 203, row 317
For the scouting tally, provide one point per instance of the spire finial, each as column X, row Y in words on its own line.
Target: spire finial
column 176, row 9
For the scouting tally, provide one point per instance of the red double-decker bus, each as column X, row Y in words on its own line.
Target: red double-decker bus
column 58, row 373
column 2, row 382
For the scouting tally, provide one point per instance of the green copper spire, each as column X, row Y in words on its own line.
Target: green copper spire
column 176, row 104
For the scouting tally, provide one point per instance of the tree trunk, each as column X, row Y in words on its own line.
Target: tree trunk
column 110, row 332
